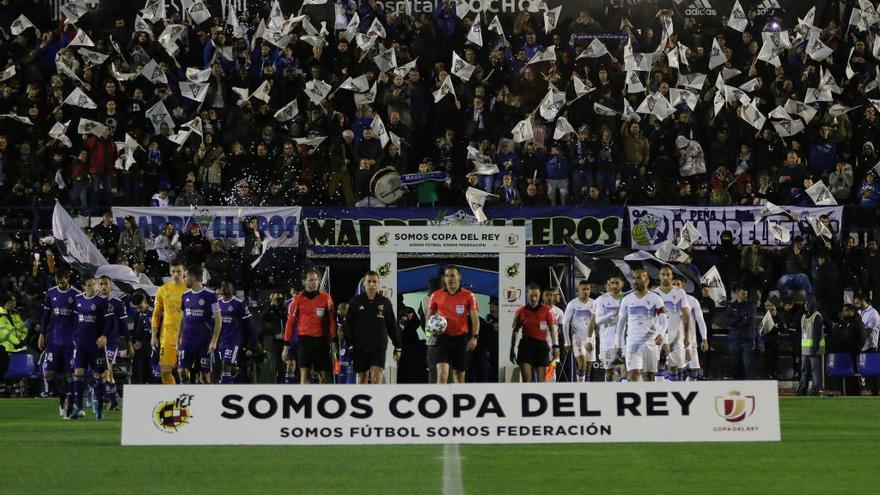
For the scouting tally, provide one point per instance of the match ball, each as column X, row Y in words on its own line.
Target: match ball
column 436, row 324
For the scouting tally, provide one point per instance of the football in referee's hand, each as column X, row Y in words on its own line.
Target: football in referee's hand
column 436, row 324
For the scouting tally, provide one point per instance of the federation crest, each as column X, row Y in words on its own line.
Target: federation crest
column 170, row 416
column 735, row 407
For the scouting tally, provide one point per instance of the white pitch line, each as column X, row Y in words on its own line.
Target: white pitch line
column 452, row 483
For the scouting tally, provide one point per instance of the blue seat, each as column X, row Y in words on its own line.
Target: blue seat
column 869, row 364
column 21, row 365
column 839, row 364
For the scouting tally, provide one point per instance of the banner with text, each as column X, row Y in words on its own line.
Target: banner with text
column 438, row 414
column 649, row 226
column 279, row 225
column 336, row 231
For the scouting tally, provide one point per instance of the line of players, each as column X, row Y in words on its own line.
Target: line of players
column 632, row 328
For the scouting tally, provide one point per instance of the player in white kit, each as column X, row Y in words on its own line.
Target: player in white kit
column 642, row 316
column 697, row 323
column 605, row 310
column 678, row 323
column 552, row 297
column 577, row 320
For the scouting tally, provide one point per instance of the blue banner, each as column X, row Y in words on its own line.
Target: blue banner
column 549, row 230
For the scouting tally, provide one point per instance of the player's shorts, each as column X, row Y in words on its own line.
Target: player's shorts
column 643, row 357
column 452, row 350
column 112, row 353
column 168, row 354
column 675, row 357
column 313, row 353
column 229, row 355
column 363, row 360
column 579, row 348
column 533, row 351
column 694, row 362
column 607, row 357
column 58, row 358
column 194, row 356
column 89, row 356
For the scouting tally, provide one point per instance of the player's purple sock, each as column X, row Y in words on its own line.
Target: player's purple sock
column 226, row 377
column 79, row 390
column 111, row 393
column 100, row 392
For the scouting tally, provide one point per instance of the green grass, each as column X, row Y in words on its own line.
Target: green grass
column 828, row 446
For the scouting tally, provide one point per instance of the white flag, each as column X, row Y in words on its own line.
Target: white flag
column 548, row 55
column 669, row 253
column 87, row 126
column 737, row 20
column 794, row 107
column 445, row 88
column 753, row 116
column 817, row 50
column 154, row 73
column 821, row 195
column 379, row 131
column 552, row 103
column 159, row 114
column 7, row 73
column 195, row 75
column 779, row 232
column 193, row 90
column 475, row 33
column 460, row 68
column 287, row 112
column 358, row 84
column 712, row 280
column 581, row 267
column 19, row 25
column 523, row 131
column 262, row 92
column 551, row 19
column 476, row 198
column 72, row 11
column 716, row 56
column 361, row 99
column 313, row 142
column 77, row 98
column 59, row 133
column 688, row 236
column 81, row 39
column 695, row 80
column 563, row 128
column 317, row 91
column 595, row 49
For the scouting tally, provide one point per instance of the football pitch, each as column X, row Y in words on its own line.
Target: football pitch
column 829, row 445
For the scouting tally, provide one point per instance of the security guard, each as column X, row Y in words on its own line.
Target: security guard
column 812, row 347
column 12, row 331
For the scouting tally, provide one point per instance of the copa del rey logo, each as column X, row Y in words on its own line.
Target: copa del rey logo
column 735, row 407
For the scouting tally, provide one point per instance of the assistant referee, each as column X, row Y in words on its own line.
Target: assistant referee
column 459, row 307
column 369, row 324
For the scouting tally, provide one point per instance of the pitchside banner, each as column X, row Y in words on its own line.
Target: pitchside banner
column 649, row 226
column 219, row 222
column 439, row 414
column 334, row 231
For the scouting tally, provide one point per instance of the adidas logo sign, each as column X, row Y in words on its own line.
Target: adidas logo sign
column 701, row 8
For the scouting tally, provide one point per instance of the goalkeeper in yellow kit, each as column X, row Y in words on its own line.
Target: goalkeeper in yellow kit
column 166, row 319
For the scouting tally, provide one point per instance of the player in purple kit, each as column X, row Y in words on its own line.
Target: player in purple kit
column 56, row 337
column 118, row 325
column 235, row 317
column 93, row 314
column 201, row 313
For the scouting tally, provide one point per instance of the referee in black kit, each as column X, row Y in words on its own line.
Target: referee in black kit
column 368, row 325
